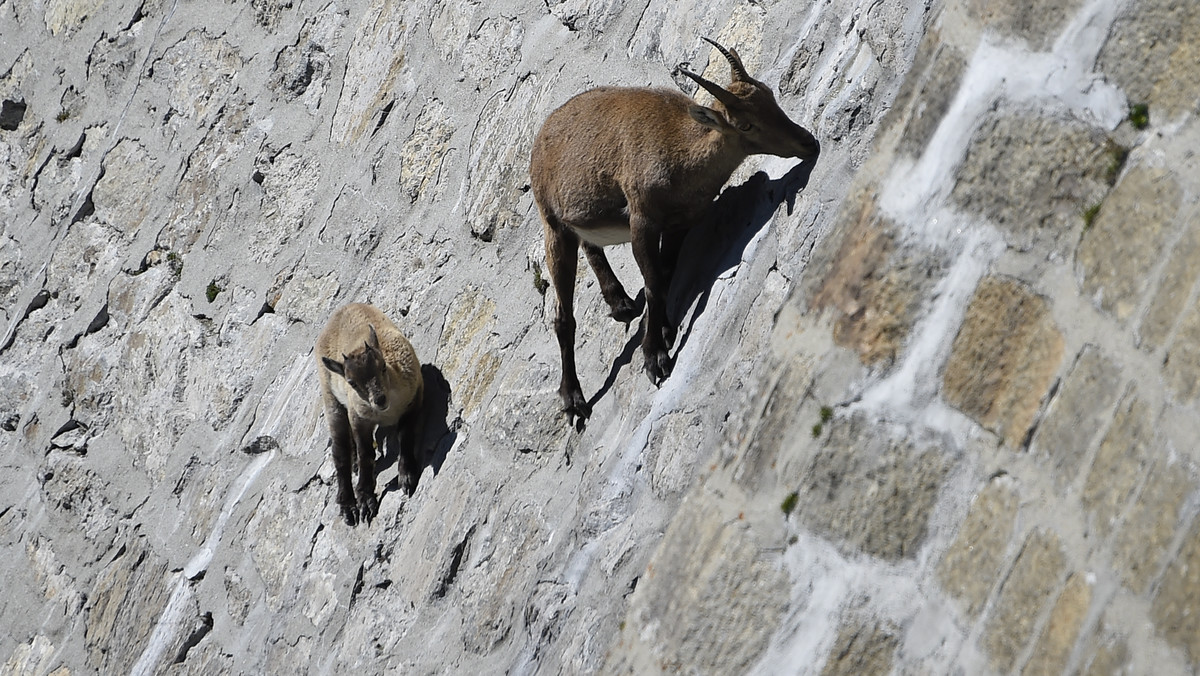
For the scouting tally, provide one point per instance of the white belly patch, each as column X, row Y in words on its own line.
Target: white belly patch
column 605, row 235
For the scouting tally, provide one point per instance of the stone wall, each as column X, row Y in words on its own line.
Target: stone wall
column 935, row 402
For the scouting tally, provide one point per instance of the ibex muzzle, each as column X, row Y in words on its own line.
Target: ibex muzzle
column 616, row 165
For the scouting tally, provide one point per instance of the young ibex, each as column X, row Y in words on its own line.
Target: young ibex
column 615, row 165
column 370, row 379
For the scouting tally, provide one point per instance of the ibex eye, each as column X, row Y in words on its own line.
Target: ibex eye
column 744, row 126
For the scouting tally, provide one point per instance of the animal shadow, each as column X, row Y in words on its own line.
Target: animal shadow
column 436, row 432
column 715, row 246
column 712, row 247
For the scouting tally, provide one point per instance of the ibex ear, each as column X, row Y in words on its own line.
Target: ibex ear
column 373, row 340
column 709, row 117
column 335, row 366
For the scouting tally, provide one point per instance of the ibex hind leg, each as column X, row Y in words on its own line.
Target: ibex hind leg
column 622, row 307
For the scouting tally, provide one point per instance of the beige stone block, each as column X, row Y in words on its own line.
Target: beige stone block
column 874, row 289
column 1026, row 591
column 1053, row 649
column 1150, row 526
column 933, row 99
column 1004, row 358
column 1119, row 464
column 1170, row 300
column 1182, row 366
column 1176, row 608
column 1109, row 655
column 1032, row 176
column 972, row 564
column 1127, row 239
column 870, row 494
column 862, row 649
column 708, row 602
column 1150, row 53
column 1079, row 411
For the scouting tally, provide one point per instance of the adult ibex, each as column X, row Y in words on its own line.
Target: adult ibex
column 370, row 382
column 616, row 165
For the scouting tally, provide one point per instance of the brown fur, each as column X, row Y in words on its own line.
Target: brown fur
column 621, row 164
column 370, row 382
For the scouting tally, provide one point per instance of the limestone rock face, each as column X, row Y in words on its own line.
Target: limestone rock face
column 934, row 402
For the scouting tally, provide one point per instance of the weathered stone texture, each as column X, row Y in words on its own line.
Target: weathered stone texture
column 862, row 650
column 933, row 100
column 1026, row 591
column 1182, row 365
column 1080, row 410
column 874, row 289
column 1150, row 526
column 1151, row 54
column 1126, row 240
column 1169, row 302
column 1038, row 25
column 1032, row 176
column 1004, row 358
column 1053, row 649
column 974, row 560
column 123, row 608
column 423, row 152
column 1120, row 463
column 1178, row 597
column 370, row 79
column 871, row 494
column 709, row 597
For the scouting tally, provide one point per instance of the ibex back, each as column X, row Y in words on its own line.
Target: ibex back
column 617, row 165
column 370, row 383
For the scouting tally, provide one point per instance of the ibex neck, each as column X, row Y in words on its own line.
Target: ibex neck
column 715, row 157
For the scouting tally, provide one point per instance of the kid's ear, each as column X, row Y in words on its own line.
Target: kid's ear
column 335, row 366
column 708, row 117
column 373, row 340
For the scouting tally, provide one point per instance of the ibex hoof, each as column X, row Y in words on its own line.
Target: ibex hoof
column 658, row 366
column 575, row 406
column 669, row 332
column 368, row 508
column 349, row 513
column 625, row 311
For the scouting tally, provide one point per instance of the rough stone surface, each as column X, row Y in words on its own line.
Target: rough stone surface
column 1034, row 176
column 1147, row 52
column 1178, row 593
column 1026, row 591
column 834, row 476
column 1127, row 238
column 972, row 565
column 1079, row 412
column 872, row 496
column 1053, row 649
column 1170, row 302
column 1149, row 527
column 1004, row 358
column 862, row 649
column 1121, row 462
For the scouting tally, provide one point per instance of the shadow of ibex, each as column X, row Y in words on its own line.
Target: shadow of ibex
column 715, row 246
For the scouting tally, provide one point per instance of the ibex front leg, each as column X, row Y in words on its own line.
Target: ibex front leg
column 562, row 259
column 364, row 441
column 343, row 447
column 646, row 251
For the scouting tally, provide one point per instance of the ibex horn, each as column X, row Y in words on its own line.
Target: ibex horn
column 735, row 62
column 718, row 92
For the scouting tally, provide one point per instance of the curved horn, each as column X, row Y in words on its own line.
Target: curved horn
column 725, row 97
column 736, row 69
